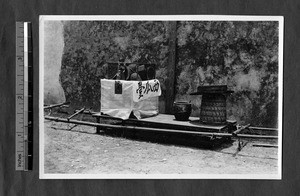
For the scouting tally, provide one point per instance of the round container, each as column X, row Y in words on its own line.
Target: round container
column 213, row 109
column 182, row 110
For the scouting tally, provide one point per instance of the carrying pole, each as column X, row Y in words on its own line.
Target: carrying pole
column 135, row 128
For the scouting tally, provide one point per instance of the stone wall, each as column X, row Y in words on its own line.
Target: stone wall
column 243, row 55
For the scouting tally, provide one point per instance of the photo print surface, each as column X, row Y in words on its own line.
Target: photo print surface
column 185, row 97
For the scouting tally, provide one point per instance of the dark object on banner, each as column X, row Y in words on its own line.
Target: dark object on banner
column 130, row 71
column 213, row 106
column 118, row 87
column 182, row 110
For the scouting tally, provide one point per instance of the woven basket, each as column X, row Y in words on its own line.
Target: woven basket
column 213, row 109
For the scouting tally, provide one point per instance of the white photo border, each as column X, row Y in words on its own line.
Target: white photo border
column 44, row 18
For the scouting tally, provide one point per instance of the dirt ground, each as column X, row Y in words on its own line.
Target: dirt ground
column 80, row 150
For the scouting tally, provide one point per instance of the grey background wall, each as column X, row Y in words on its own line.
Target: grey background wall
column 240, row 54
column 28, row 183
column 53, row 52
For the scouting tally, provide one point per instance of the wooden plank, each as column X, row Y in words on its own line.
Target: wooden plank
column 170, row 80
column 134, row 128
column 168, row 122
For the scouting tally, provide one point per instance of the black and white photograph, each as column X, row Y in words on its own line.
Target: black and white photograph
column 160, row 97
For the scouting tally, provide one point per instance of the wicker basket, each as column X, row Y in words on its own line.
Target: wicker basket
column 213, row 109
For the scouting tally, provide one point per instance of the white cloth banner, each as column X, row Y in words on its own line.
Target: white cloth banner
column 117, row 98
column 145, row 89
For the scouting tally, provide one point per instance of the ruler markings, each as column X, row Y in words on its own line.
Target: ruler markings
column 23, row 100
column 19, row 97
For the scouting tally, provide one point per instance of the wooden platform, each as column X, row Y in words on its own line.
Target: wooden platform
column 168, row 122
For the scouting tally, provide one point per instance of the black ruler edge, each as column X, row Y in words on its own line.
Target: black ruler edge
column 30, row 96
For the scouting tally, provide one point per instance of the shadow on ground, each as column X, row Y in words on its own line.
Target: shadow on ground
column 178, row 139
column 186, row 140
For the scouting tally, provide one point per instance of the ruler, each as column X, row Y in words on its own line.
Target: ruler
column 24, row 96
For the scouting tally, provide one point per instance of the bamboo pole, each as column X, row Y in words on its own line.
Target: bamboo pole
column 263, row 128
column 265, row 145
column 76, row 113
column 240, row 129
column 56, row 105
column 89, row 112
column 135, row 128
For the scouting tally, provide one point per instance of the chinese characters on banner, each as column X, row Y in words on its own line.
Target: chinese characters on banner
column 146, row 89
